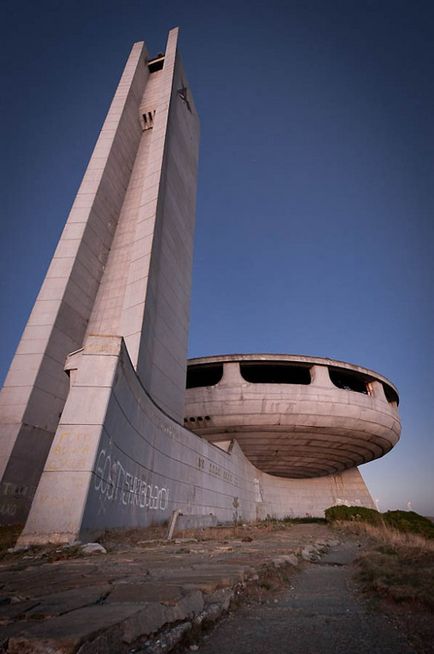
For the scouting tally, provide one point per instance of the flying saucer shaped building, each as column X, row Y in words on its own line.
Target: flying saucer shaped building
column 293, row 416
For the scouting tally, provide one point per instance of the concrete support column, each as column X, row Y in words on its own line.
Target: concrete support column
column 320, row 376
column 60, row 500
column 231, row 374
column 376, row 389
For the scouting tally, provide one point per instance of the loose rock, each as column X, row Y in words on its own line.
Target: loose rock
column 93, row 548
column 309, row 553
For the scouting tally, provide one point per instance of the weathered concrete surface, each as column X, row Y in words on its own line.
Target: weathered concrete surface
column 115, row 304
column 302, row 429
column 112, row 603
column 118, row 461
column 320, row 613
column 122, row 266
column 36, row 386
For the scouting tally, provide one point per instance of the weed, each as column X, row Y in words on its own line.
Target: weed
column 405, row 575
column 410, row 522
column 353, row 513
column 9, row 536
column 305, row 520
column 405, row 521
column 398, row 565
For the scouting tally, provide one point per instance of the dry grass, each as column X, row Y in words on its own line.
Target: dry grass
column 149, row 535
column 9, row 536
column 121, row 539
column 250, row 529
column 234, row 532
column 387, row 535
column 395, row 565
column 113, row 538
column 218, row 534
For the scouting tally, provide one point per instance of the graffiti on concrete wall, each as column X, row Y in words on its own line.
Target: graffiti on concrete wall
column 114, row 483
column 10, row 494
column 215, row 470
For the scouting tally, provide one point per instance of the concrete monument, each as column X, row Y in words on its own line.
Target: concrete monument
column 94, row 433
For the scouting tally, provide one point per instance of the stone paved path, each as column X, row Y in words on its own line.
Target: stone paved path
column 111, row 603
column 318, row 614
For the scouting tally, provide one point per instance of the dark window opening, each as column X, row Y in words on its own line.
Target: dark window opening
column 205, row 375
column 391, row 394
column 148, row 119
column 156, row 63
column 274, row 373
column 349, row 380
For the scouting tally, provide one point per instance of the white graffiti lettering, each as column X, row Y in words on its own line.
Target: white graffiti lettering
column 8, row 509
column 114, row 483
column 18, row 490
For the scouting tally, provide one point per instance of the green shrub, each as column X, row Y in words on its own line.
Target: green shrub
column 409, row 521
column 405, row 521
column 360, row 513
column 304, row 520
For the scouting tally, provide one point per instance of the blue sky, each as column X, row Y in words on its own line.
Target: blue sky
column 315, row 221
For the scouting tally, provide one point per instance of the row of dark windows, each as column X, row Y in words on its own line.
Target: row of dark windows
column 275, row 373
column 283, row 372
column 156, row 63
column 207, row 375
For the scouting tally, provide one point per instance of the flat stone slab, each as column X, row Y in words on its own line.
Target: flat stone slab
column 69, row 600
column 64, row 634
column 108, row 603
column 131, row 592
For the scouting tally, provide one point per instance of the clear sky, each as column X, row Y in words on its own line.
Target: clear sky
column 315, row 226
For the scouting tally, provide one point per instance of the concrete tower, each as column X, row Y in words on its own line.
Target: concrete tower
column 122, row 268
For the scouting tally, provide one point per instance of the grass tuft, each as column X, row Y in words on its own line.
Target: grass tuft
column 397, row 565
column 405, row 521
column 405, row 574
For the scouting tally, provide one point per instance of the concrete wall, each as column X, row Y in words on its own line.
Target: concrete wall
column 36, row 387
column 119, row 461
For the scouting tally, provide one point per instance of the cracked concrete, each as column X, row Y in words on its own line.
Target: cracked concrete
column 319, row 612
